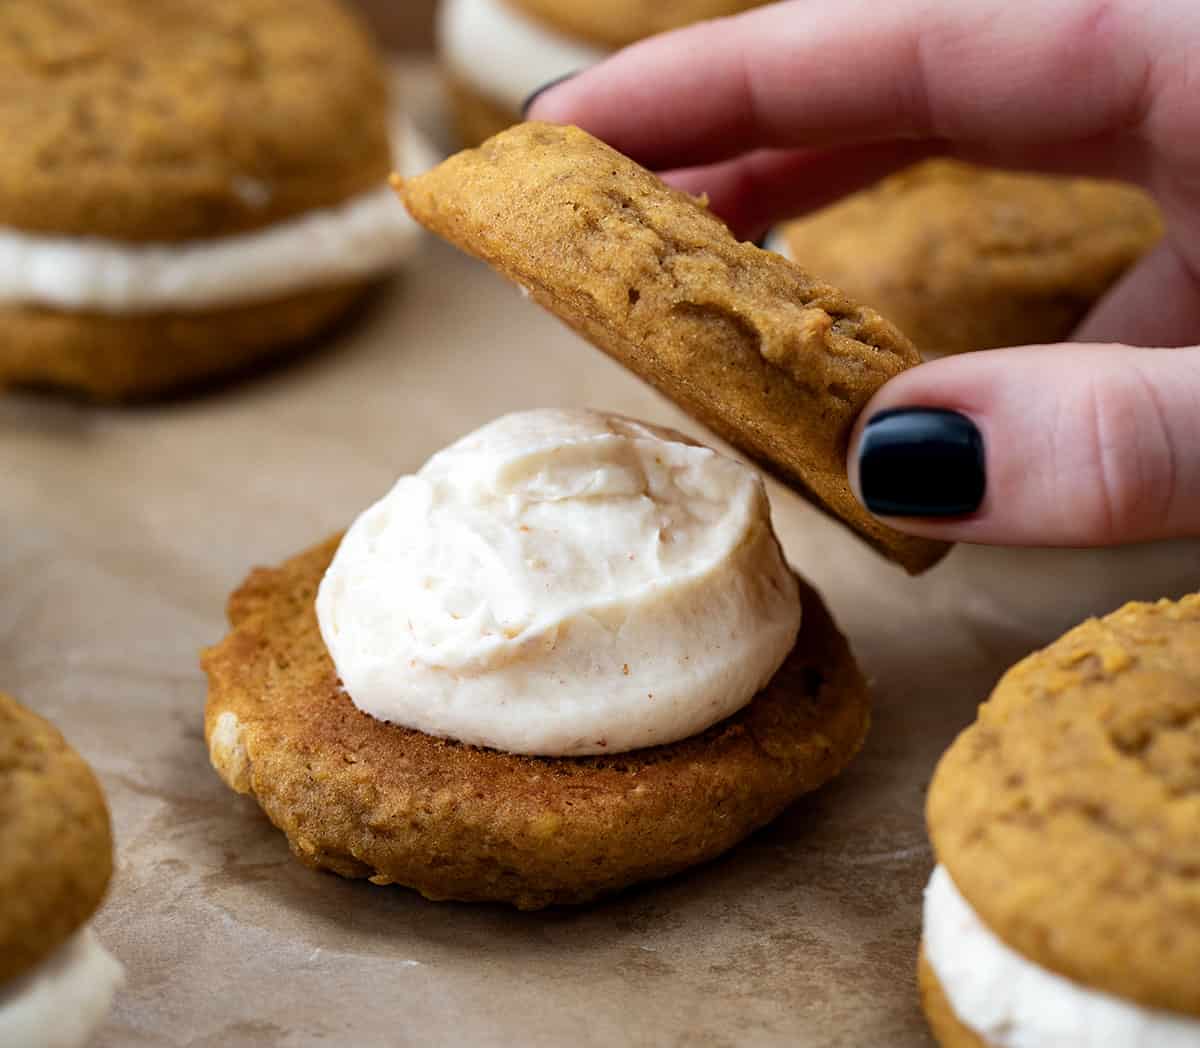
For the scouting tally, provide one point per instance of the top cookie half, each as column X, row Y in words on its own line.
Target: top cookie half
column 177, row 119
column 616, row 23
column 776, row 362
column 55, row 840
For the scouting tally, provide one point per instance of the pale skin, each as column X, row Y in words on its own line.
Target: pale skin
column 788, row 107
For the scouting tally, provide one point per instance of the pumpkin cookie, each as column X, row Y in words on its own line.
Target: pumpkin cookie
column 1066, row 822
column 496, row 53
column 564, row 656
column 56, row 982
column 775, row 361
column 368, row 799
column 185, row 188
column 965, row 258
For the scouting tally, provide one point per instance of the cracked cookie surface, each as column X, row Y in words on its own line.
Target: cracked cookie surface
column 55, row 840
column 364, row 798
column 775, row 361
column 1068, row 815
column 184, row 119
column 964, row 258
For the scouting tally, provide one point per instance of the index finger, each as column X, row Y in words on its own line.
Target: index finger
column 1008, row 77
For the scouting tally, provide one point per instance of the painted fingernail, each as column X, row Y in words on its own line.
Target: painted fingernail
column 921, row 462
column 528, row 103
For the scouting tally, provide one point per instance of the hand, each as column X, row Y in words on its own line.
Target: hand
column 790, row 106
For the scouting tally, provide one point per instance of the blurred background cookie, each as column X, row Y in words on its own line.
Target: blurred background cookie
column 56, row 980
column 963, row 257
column 496, row 53
column 1065, row 908
column 185, row 188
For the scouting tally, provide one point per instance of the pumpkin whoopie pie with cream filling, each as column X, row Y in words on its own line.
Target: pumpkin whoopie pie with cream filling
column 1065, row 907
column 186, row 187
column 56, row 980
column 565, row 656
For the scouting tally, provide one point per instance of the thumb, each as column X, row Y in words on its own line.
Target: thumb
column 1041, row 446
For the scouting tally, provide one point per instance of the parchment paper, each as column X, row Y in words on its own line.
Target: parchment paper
column 122, row 532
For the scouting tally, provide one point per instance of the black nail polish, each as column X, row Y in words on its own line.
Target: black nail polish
column 528, row 103
column 921, row 462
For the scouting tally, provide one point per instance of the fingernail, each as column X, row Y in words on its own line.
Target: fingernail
column 921, row 462
column 528, row 103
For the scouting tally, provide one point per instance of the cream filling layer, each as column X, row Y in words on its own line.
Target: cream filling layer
column 360, row 238
column 1010, row 1002
column 61, row 1002
column 504, row 54
column 562, row 583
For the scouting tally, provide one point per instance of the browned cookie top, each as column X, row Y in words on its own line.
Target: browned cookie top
column 55, row 841
column 966, row 258
column 775, row 361
column 1068, row 815
column 620, row 22
column 173, row 119
column 369, row 799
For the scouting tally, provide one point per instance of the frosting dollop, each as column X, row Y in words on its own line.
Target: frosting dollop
column 562, row 583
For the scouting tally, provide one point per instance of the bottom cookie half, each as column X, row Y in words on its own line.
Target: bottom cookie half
column 109, row 357
column 368, row 799
column 946, row 1026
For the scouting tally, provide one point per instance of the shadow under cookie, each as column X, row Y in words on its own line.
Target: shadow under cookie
column 364, row 798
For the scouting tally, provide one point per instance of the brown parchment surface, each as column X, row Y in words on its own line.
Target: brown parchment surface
column 122, row 532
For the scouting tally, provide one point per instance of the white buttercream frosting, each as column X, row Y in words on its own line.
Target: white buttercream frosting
column 562, row 583
column 1010, row 1002
column 61, row 1002
column 367, row 235
column 503, row 53
column 776, row 241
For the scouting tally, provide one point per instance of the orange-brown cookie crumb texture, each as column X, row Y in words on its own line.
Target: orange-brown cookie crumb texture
column 184, row 119
column 126, row 358
column 1068, row 815
column 950, row 1033
column 776, row 362
column 368, row 799
column 55, row 840
column 965, row 258
column 616, row 23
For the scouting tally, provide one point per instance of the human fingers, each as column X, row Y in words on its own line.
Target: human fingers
column 1157, row 303
column 1048, row 446
column 804, row 74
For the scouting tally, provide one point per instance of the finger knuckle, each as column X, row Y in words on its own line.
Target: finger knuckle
column 1124, row 464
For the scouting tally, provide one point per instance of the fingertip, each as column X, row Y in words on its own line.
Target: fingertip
column 540, row 105
column 920, row 462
